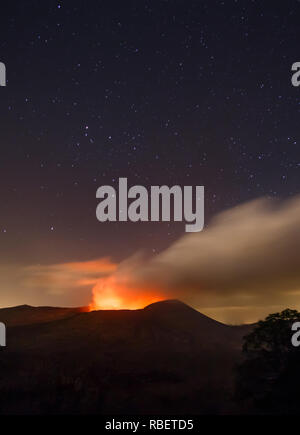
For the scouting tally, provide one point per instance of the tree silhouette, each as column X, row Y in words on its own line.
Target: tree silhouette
column 267, row 377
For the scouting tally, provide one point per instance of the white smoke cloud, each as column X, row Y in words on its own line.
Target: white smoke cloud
column 245, row 260
column 242, row 266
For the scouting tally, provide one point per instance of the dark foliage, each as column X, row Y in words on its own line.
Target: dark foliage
column 267, row 378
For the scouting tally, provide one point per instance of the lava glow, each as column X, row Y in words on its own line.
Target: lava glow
column 110, row 294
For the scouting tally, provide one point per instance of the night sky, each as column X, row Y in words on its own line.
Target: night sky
column 161, row 92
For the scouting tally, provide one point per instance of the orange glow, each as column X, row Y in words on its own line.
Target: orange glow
column 110, row 294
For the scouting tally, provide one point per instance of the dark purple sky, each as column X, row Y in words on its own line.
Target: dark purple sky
column 161, row 92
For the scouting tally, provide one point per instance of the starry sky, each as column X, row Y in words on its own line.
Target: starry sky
column 161, row 92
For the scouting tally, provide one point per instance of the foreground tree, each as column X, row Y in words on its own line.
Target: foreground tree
column 267, row 378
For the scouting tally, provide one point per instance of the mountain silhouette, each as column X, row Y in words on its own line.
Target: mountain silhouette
column 165, row 358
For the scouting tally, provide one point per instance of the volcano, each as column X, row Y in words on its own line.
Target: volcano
column 165, row 358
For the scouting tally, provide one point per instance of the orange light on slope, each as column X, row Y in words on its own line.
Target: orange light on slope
column 110, row 294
